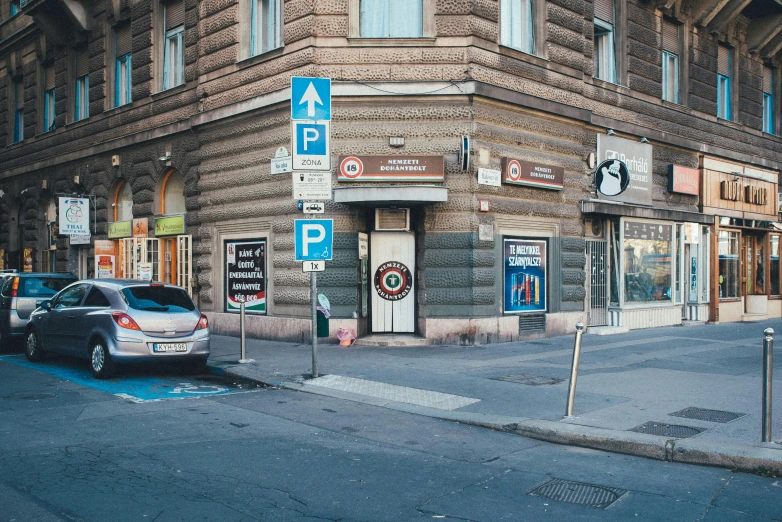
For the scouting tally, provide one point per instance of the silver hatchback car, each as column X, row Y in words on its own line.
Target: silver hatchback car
column 113, row 321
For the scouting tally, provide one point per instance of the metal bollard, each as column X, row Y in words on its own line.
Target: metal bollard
column 241, row 329
column 571, row 388
column 768, row 359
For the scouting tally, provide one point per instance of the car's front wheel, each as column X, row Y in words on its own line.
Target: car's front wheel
column 101, row 364
column 33, row 348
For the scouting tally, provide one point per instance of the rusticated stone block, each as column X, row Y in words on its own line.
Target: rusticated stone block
column 452, row 25
column 208, row 8
column 577, row 6
column 644, row 85
column 642, row 15
column 573, row 260
column 573, row 293
column 639, row 33
column 572, row 244
column 453, row 7
column 483, row 28
column 221, row 58
column 570, row 58
column 643, row 52
column 219, row 21
column 463, row 296
column 458, row 258
column 565, row 18
column 573, row 277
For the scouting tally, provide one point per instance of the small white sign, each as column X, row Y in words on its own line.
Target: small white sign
column 281, row 152
column 145, row 271
column 74, row 216
column 313, row 266
column 363, row 245
column 490, row 177
column 313, row 207
column 231, row 254
column 281, row 165
column 486, row 232
column 311, row 185
column 81, row 239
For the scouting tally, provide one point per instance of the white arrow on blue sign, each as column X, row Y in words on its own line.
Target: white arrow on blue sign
column 310, row 98
column 314, row 239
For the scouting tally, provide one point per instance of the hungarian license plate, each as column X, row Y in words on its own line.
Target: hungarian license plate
column 169, row 347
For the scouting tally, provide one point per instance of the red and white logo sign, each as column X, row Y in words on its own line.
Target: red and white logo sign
column 393, row 281
column 351, row 167
column 514, row 170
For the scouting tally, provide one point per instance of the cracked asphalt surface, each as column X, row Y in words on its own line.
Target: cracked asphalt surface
column 70, row 452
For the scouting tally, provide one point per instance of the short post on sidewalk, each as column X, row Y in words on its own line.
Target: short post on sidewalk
column 242, row 338
column 768, row 360
column 571, row 389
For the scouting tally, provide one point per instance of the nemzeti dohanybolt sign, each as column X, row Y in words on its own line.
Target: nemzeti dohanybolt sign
column 74, row 216
column 245, row 276
column 525, row 275
column 637, row 157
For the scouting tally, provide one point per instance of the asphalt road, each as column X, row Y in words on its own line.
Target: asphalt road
column 76, row 449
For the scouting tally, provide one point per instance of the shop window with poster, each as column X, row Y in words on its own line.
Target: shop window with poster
column 647, row 253
column 729, row 276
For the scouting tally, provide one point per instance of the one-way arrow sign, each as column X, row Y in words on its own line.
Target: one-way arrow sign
column 310, row 98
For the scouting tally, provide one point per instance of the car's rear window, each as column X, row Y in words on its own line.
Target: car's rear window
column 42, row 286
column 158, row 299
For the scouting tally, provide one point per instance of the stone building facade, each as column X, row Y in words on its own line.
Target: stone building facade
column 190, row 121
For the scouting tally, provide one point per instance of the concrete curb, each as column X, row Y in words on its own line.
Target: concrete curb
column 758, row 458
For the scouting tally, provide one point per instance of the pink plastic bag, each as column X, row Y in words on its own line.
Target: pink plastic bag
column 346, row 336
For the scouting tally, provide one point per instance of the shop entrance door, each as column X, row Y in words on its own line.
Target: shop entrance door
column 754, row 257
column 597, row 285
column 392, row 274
column 135, row 250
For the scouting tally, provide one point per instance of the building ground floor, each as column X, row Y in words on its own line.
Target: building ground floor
column 485, row 225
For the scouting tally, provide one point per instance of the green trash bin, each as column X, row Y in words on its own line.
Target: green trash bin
column 323, row 325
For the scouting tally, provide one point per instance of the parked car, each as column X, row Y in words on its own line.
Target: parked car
column 20, row 294
column 112, row 321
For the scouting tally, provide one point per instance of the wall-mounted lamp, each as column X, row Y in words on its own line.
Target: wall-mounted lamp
column 610, row 132
column 591, row 160
column 396, row 141
column 165, row 157
column 43, row 184
column 644, row 140
column 115, row 160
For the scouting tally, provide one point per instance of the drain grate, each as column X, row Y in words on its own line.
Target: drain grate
column 578, row 493
column 667, row 430
column 531, row 380
column 707, row 415
column 532, row 323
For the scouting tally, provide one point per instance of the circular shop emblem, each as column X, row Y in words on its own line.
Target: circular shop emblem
column 514, row 170
column 351, row 167
column 393, row 281
column 612, row 177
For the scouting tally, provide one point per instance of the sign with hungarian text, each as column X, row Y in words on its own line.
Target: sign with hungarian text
column 519, row 172
column 169, row 226
column 391, row 169
column 524, row 275
column 614, row 156
column 246, row 276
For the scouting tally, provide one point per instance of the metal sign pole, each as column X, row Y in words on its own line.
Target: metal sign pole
column 571, row 389
column 313, row 305
column 768, row 360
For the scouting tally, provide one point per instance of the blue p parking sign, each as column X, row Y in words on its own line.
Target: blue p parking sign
column 314, row 239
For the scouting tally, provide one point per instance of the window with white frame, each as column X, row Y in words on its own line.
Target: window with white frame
column 49, row 113
column 671, row 52
column 18, row 106
column 768, row 100
column 266, row 26
column 724, row 64
column 122, row 65
column 604, row 41
column 174, row 49
column 81, row 86
column 391, row 18
column 517, row 25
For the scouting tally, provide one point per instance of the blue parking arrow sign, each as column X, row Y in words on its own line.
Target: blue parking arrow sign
column 314, row 239
column 310, row 98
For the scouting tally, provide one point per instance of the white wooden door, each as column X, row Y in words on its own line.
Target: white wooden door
column 392, row 272
column 184, row 261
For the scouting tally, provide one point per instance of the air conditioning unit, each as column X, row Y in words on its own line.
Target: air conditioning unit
column 392, row 219
column 594, row 228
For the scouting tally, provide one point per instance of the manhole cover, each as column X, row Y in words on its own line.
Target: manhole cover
column 29, row 396
column 531, row 380
column 707, row 415
column 578, row 493
column 667, row 430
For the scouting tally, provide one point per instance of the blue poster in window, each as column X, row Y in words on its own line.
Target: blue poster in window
column 524, row 275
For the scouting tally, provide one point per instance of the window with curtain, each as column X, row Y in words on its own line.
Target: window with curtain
column 724, row 60
column 517, row 28
column 48, row 99
column 174, row 194
column 728, row 248
column 18, row 93
column 81, row 86
column 122, row 65
column 124, row 203
column 174, row 50
column 768, row 101
column 266, row 28
column 670, row 62
column 392, row 19
column 604, row 51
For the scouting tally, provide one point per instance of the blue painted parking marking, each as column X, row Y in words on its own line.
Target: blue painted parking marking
column 136, row 388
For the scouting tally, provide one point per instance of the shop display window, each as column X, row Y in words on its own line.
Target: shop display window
column 647, row 253
column 729, row 264
column 774, row 266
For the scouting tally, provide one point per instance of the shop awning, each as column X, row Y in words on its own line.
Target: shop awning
column 611, row 208
column 398, row 195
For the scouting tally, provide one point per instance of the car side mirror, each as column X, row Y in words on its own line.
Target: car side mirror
column 46, row 305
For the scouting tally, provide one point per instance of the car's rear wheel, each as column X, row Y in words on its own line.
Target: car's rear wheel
column 101, row 364
column 33, row 348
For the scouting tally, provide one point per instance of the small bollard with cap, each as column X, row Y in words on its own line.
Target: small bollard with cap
column 571, row 389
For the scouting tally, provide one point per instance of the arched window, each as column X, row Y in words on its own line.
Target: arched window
column 123, row 202
column 172, row 200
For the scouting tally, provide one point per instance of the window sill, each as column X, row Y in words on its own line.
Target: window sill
column 604, row 84
column 730, row 299
column 260, row 58
column 391, row 42
column 517, row 53
column 677, row 107
column 170, row 91
column 775, row 297
column 730, row 123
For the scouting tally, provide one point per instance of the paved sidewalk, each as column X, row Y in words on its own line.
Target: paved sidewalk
column 624, row 381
